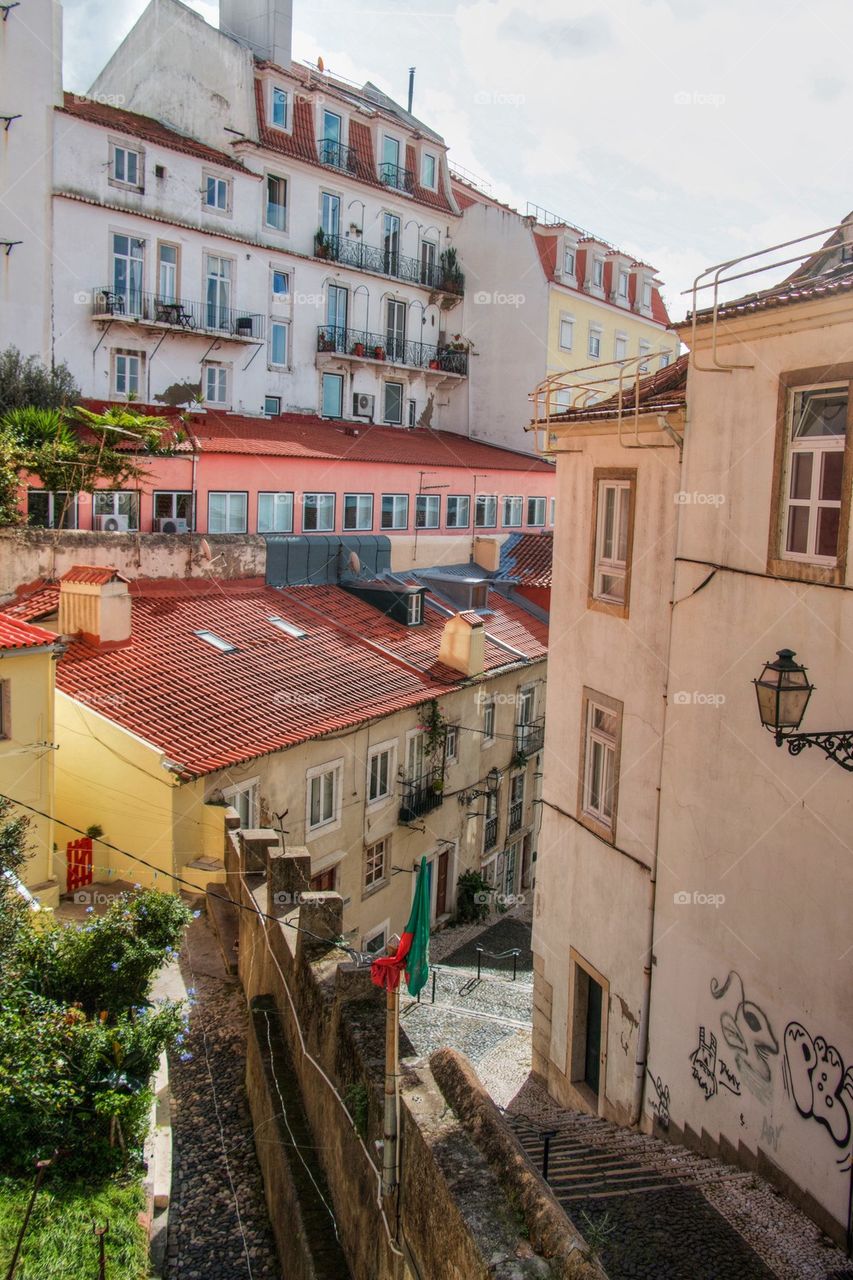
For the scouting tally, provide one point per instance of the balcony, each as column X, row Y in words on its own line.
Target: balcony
column 359, row 344
column 490, row 834
column 336, row 155
column 530, row 737
column 422, row 795
column 137, row 307
column 516, row 812
column 391, row 175
column 352, row 252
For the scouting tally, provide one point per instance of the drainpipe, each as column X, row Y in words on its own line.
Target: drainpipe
column 640, row 1065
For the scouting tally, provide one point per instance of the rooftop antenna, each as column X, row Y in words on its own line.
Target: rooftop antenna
column 411, row 87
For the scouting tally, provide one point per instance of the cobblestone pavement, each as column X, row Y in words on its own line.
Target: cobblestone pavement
column 218, row 1225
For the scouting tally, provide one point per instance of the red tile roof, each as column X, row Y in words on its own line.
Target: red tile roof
column 299, row 435
column 207, row 710
column 832, row 282
column 661, row 391
column 145, row 128
column 299, row 143
column 546, row 246
column 15, row 634
column 92, row 574
column 527, row 557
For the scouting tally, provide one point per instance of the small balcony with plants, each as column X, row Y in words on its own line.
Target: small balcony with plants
column 394, row 175
column 422, row 795
column 337, row 156
column 444, row 276
column 360, row 344
column 529, row 739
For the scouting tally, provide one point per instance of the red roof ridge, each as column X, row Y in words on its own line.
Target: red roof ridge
column 93, row 574
column 15, row 634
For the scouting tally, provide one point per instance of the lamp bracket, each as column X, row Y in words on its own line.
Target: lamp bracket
column 838, row 745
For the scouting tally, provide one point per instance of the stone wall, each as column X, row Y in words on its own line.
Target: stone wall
column 455, row 1214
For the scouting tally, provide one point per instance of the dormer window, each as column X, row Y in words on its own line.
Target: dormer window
column 622, row 285
column 647, row 295
column 280, row 107
column 429, row 170
column 598, row 273
column 415, row 615
column 569, row 260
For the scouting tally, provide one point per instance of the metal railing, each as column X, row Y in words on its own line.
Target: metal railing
column 336, row 155
column 515, row 815
column 352, row 252
column 392, row 175
column 421, row 795
column 176, row 313
column 490, row 833
column 396, row 350
column 530, row 737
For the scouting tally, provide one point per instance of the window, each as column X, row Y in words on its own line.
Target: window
column 516, row 801
column 395, row 511
column 275, row 513
column 333, row 395
column 622, row 286
column 380, row 771
column 375, row 862
column 279, row 334
column 215, row 384
column 288, row 628
column 243, row 798
column 358, row 511
column 569, row 260
column 487, row 706
column 280, row 285
column 429, row 261
column 5, row 710
column 458, row 511
column 174, row 506
column 127, row 373
column 276, row 202
column 645, row 348
column 647, row 295
column 330, row 144
column 552, row 503
column 318, row 513
column 337, row 305
column 227, row 512
column 620, row 346
column 567, row 332
column 536, row 512
column 323, row 797
column 330, row 217
column 374, row 943
column 427, row 511
column 167, row 273
column 46, row 510
column 217, row 193
column 389, row 170
column 415, row 609
column 490, row 825
column 126, row 167
column 324, row 881
column 598, row 272
column 123, row 503
column 217, row 284
column 816, row 438
column 411, row 413
column 594, row 346
column 486, row 511
column 429, row 169
column 665, row 358
column 279, row 107
column 512, row 510
column 128, row 263
column 602, row 730
column 395, row 330
column 272, row 406
column 451, row 743
column 392, row 402
column 416, row 755
column 613, row 516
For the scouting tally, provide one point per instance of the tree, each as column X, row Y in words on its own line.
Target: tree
column 28, row 383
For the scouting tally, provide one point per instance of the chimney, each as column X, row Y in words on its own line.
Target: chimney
column 94, row 603
column 265, row 26
column 487, row 553
column 463, row 644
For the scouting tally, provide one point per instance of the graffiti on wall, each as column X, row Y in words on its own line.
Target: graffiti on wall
column 709, row 1070
column 748, row 1034
column 815, row 1077
column 660, row 1103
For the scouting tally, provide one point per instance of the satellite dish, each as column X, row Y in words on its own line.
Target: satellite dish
column 354, row 563
column 321, row 66
column 205, row 549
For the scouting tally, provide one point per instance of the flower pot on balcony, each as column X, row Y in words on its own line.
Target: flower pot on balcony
column 379, row 353
column 434, row 364
column 358, row 349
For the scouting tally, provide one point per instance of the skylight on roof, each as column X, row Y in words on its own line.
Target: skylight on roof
column 289, row 628
column 224, row 646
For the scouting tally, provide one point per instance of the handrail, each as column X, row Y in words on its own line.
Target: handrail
column 139, row 306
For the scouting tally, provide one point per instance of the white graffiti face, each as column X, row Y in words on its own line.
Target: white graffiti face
column 750, row 1037
column 821, row 1087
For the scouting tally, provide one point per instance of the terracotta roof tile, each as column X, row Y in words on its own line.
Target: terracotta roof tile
column 207, row 710
column 835, row 280
column 144, row 127
column 527, row 559
column 94, row 575
column 15, row 634
column 299, row 143
column 436, row 199
column 663, row 390
column 546, row 247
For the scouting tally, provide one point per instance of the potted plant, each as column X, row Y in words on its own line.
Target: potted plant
column 326, row 341
column 322, row 244
column 379, row 353
column 434, row 364
column 358, row 348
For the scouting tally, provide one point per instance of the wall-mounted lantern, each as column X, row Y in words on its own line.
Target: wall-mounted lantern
column 783, row 690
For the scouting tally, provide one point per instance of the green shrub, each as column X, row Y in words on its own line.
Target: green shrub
column 472, row 898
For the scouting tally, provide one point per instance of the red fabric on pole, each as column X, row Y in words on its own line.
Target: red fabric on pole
column 386, row 971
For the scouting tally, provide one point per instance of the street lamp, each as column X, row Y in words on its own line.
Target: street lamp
column 783, row 690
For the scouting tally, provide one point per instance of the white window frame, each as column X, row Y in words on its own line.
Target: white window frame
column 451, row 744
column 220, row 184
column 428, row 502
column 55, row 508
column 172, row 514
column 645, row 350
column 488, row 504
column 269, row 400
column 280, row 295
column 593, row 348
column 389, row 749
column 236, row 500
column 620, row 346
column 360, row 526
column 415, row 609
column 458, row 498
column 335, row 768
column 488, row 710
column 430, row 186
column 567, row 331
column 665, row 359
column 386, row 386
column 647, row 295
column 601, row 744
column 277, row 124
column 250, row 787
column 512, row 511
column 125, row 150
column 399, row 506
column 272, row 225
column 597, row 273
column 106, row 502
column 570, row 259
column 370, row 881
column 316, row 493
column 339, row 378
column 613, row 566
column 622, row 278
column 540, row 506
column 379, row 931
column 818, row 447
column 284, row 326
column 276, row 524
column 126, row 382
column 218, row 384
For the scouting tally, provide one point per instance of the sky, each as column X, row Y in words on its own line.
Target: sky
column 687, row 132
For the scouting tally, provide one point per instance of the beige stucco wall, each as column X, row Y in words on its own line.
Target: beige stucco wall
column 27, row 758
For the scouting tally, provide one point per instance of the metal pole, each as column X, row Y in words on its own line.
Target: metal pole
column 546, row 1150
column 100, row 1232
column 514, row 964
column 41, row 1170
column 392, row 1039
column 479, row 958
column 433, row 984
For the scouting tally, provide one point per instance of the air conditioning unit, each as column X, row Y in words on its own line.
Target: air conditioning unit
column 363, row 406
column 111, row 524
column 171, row 524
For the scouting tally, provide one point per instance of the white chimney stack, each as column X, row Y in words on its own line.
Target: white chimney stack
column 265, row 26
column 94, row 603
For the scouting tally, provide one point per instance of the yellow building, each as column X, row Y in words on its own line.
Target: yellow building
column 27, row 744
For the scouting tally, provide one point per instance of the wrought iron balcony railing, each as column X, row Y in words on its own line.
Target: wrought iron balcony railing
column 176, row 313
column 384, row 346
column 350, row 251
column 336, row 155
column 516, row 812
column 392, row 175
column 530, row 737
column 490, row 834
column 422, row 795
